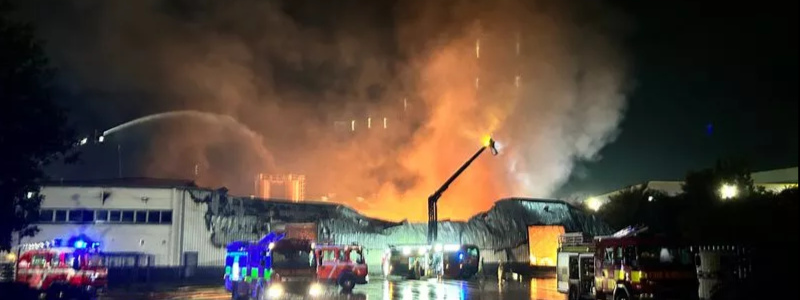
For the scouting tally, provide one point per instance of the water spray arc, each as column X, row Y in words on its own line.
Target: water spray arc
column 213, row 118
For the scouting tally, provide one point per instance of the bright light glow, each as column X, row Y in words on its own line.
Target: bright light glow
column 384, row 123
column 406, row 250
column 728, row 191
column 369, row 123
column 486, row 141
column 546, row 262
column 422, row 250
column 11, row 257
column 271, row 245
column 478, row 48
column 315, row 290
column 80, row 244
column 543, row 243
column 649, row 198
column 452, row 247
column 594, row 204
column 313, row 245
column 29, row 195
column 101, row 139
column 437, row 248
column 84, row 141
column 275, row 291
column 236, row 271
column 460, row 256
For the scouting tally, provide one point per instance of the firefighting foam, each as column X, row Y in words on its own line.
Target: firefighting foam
column 371, row 100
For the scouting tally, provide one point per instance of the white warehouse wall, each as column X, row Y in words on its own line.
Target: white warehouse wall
column 159, row 240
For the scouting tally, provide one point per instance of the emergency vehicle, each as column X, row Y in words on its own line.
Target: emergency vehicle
column 575, row 266
column 419, row 261
column 277, row 265
column 71, row 269
column 634, row 264
column 341, row 264
column 248, row 267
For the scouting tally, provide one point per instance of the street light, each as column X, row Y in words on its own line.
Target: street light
column 728, row 191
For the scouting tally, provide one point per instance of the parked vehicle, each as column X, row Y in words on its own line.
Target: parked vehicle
column 71, row 269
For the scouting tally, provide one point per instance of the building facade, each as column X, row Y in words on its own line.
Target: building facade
column 156, row 218
column 771, row 180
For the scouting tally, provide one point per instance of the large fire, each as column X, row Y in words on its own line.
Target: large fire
column 414, row 87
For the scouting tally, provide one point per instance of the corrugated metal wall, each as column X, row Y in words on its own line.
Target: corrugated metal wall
column 196, row 237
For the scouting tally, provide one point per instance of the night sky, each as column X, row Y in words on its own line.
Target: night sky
column 711, row 80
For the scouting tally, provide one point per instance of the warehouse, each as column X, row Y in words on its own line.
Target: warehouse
column 174, row 223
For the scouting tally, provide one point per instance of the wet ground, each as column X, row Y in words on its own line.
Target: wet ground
column 544, row 289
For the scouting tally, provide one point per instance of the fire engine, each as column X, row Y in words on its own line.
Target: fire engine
column 248, row 267
column 277, row 265
column 418, row 261
column 634, row 264
column 341, row 264
column 575, row 266
column 73, row 268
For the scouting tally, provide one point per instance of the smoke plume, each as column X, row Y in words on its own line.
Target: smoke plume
column 376, row 102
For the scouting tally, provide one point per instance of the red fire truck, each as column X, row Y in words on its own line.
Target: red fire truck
column 73, row 268
column 341, row 264
column 633, row 264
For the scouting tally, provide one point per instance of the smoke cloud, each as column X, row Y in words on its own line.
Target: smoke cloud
column 546, row 78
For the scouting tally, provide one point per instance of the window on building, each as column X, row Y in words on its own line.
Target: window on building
column 166, row 217
column 61, row 216
column 46, row 215
column 153, row 217
column 75, row 215
column 141, row 216
column 101, row 216
column 88, row 216
column 114, row 216
column 127, row 216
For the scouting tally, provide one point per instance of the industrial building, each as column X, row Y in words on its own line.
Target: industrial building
column 771, row 180
column 175, row 222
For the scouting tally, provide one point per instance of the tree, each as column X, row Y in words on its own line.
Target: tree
column 33, row 129
column 637, row 205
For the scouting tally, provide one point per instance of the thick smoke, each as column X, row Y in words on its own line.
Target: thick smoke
column 545, row 78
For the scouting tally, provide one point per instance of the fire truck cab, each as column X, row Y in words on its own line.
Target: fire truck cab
column 632, row 264
column 73, row 269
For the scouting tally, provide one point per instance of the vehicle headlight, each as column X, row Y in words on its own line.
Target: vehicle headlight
column 275, row 291
column 315, row 290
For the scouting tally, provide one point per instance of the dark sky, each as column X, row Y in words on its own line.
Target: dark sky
column 701, row 63
column 712, row 80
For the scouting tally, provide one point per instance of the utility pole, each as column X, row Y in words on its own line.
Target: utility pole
column 433, row 199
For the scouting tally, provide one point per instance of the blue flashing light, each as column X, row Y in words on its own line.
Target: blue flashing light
column 237, row 254
column 95, row 245
column 79, row 244
column 461, row 256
